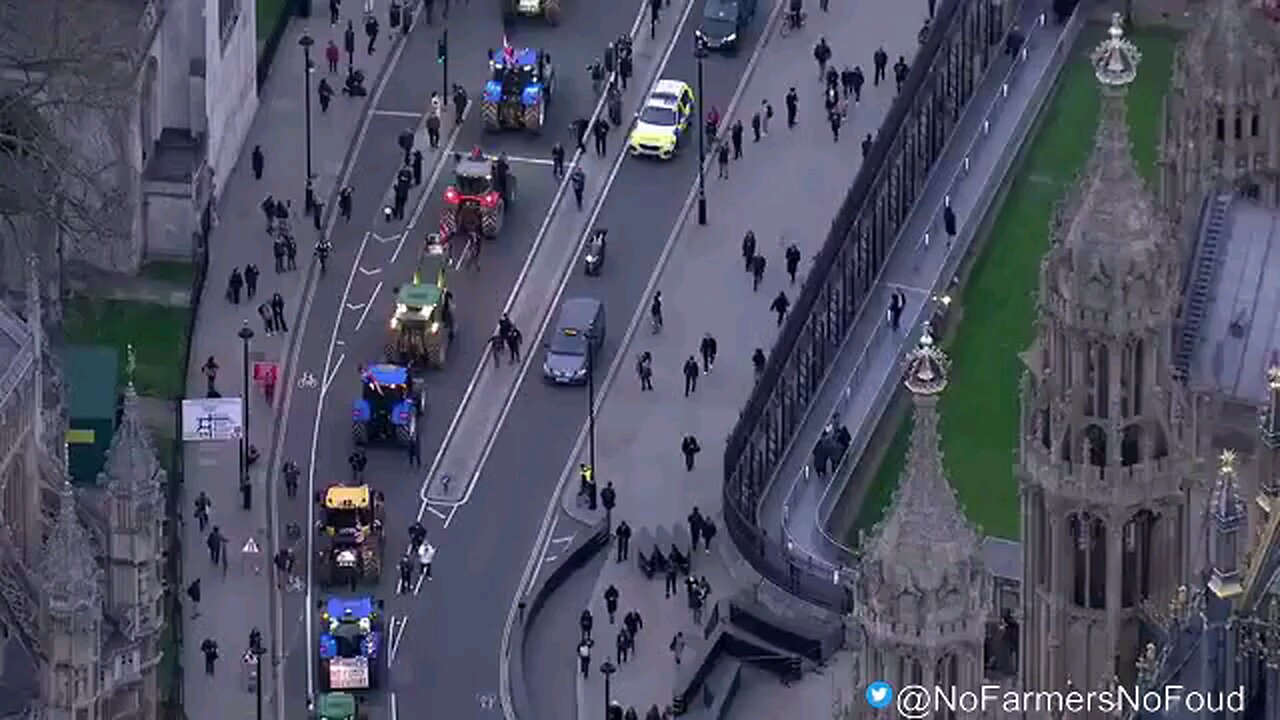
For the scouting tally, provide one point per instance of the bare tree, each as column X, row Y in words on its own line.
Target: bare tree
column 68, row 79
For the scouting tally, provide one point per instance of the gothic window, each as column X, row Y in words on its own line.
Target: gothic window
column 1131, row 446
column 1089, row 561
column 1221, row 126
column 1139, row 534
column 1239, row 126
column 1095, row 443
column 1066, row 444
column 1255, row 125
column 909, row 671
column 1139, row 362
column 1098, row 380
column 1046, row 430
column 947, row 675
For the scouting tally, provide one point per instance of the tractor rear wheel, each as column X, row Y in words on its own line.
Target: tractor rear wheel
column 534, row 115
column 448, row 222
column 359, row 433
column 489, row 115
column 491, row 220
column 371, row 565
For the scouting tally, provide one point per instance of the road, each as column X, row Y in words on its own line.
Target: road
column 344, row 325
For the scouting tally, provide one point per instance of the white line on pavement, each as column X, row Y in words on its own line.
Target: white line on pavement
column 398, row 113
column 439, row 168
column 550, row 559
column 908, row 288
column 354, row 306
column 369, row 305
column 437, row 513
column 370, row 273
column 530, row 160
column 563, row 540
column 400, row 245
column 453, row 510
column 394, row 712
column 390, row 238
column 395, row 635
column 333, row 372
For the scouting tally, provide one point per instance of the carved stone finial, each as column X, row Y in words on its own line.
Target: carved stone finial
column 130, row 364
column 1115, row 60
column 1227, row 462
column 927, row 366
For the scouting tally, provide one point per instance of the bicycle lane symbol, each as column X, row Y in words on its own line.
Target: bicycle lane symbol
column 308, row 381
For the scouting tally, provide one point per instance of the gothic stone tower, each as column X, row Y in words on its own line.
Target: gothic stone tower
column 1102, row 445
column 925, row 593
column 71, row 619
column 1222, row 115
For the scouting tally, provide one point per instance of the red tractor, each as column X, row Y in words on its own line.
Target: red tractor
column 476, row 203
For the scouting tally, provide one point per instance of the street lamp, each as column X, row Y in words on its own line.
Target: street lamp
column 700, row 52
column 306, row 42
column 591, row 405
column 245, row 334
column 607, row 668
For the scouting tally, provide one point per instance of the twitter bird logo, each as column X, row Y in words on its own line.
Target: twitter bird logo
column 879, row 694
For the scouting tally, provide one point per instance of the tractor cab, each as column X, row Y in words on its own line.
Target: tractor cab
column 423, row 321
column 350, row 644
column 337, row 706
column 521, row 82
column 349, row 511
column 352, row 533
column 477, row 200
column 388, row 406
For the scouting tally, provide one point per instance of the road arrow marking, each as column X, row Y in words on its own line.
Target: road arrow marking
column 354, row 306
column 385, row 240
column 563, row 540
column 372, row 272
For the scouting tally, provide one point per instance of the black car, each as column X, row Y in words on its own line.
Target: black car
column 724, row 21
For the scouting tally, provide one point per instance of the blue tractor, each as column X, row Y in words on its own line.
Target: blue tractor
column 519, row 89
column 388, row 407
column 351, row 645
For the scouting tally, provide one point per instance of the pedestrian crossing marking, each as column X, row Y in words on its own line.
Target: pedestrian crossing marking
column 251, row 547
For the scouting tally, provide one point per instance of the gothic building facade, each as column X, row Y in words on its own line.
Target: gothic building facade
column 80, row 577
column 924, row 594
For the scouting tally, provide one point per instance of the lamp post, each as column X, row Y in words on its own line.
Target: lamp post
column 607, row 668
column 700, row 52
column 306, row 42
column 245, row 334
column 591, row 406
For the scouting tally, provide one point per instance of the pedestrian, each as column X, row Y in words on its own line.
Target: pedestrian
column 416, row 161
column 277, row 313
column 633, row 623
column 406, row 20
column 856, row 81
column 579, row 128
column 900, row 71
column 846, row 80
column 496, row 343
column 623, row 534
column 722, row 157
column 405, row 141
column 655, row 311
column 766, row 117
column 621, row 644
column 202, row 507
column 644, row 368
column 585, row 621
column 291, row 474
column 251, row 280
column 459, row 103
column 193, row 592
column 835, row 120
column 357, row 460
column 866, row 146
column 332, row 55
column 325, row 92
column 216, row 543
column 708, row 532
column 234, row 283
column 210, row 370
column 755, row 127
column 949, row 221
column 695, row 604
column 611, row 602
column 557, row 161
column 822, row 53
column 780, row 305
column 713, row 124
column 625, row 69
column 264, row 312
column 258, row 161
column 291, row 247
column 371, row 31
column 210, row 650
column 406, row 576
column 609, row 498
column 833, row 78
column 415, row 452
column 269, row 210
column 655, row 12
column 758, row 362
column 897, row 303
column 677, row 646
column 880, row 60
column 670, row 578
column 792, row 258
column 514, row 338
column 748, row 249
column 690, row 376
column 278, row 251
column 600, row 130
column 757, row 272
column 246, row 494
column 793, row 106
column 690, row 448
column 349, row 43
column 578, row 180
column 426, row 556
column 696, row 523
column 707, row 348
column 344, row 203
column 433, row 132
column 584, row 657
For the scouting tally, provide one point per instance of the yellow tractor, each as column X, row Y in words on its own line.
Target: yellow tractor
column 422, row 325
column 351, row 535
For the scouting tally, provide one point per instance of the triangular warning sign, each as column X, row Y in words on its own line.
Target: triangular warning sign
column 250, row 546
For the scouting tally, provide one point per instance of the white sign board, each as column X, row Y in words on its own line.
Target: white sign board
column 349, row 673
column 212, row 419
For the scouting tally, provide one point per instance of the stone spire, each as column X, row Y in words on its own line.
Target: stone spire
column 924, row 534
column 1228, row 519
column 131, row 468
column 1228, row 52
column 70, row 574
column 1269, row 417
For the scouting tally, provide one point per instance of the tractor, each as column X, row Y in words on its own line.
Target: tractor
column 351, row 532
column 476, row 203
column 519, row 89
column 422, row 325
column 337, row 706
column 352, row 644
column 388, row 407
column 549, row 9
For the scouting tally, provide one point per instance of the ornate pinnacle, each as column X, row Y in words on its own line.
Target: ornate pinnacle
column 1115, row 60
column 927, row 366
column 130, row 365
column 1227, row 462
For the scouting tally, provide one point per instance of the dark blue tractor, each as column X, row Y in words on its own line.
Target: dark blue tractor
column 388, row 407
column 519, row 89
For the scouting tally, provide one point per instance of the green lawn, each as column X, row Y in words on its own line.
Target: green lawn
column 268, row 15
column 180, row 274
column 980, row 408
column 158, row 334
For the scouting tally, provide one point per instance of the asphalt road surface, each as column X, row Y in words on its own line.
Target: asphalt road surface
column 345, row 325
column 551, row 662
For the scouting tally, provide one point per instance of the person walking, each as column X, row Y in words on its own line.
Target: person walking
column 415, row 162
column 900, row 71
column 210, row 370
column 258, row 161
column 755, row 127
column 707, row 348
column 202, row 506
column 735, row 136
column 792, row 258
column 277, row 251
column 600, row 131
column 371, row 31
column 897, row 303
column 514, row 338
column 655, row 14
column 234, row 283
column 780, row 305
column 644, row 369
column 722, row 158
column 708, row 533
column 633, row 623
column 690, row 376
column 623, row 535
column 880, row 61
column 835, row 119
column 584, row 657
column 766, row 117
column 621, row 644
column 696, row 523
column 585, row 622
column 557, row 161
column 793, row 107
column 578, row 182
column 949, row 221
column 866, row 146
column 335, row 6
column 690, row 448
column 349, row 43
column 277, row 313
column 822, row 53
column 856, row 81
column 758, row 264
column 217, row 543
column 670, row 580
column 332, row 55
column 264, row 312
column 344, row 203
column 193, row 593
column 291, row 474
column 251, row 274
column 209, row 648
column 748, row 249
column 611, row 602
column 579, row 129
column 678, row 644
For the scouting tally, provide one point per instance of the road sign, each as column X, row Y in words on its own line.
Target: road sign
column 212, row 419
column 251, row 547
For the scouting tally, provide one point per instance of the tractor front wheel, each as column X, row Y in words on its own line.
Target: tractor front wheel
column 534, row 115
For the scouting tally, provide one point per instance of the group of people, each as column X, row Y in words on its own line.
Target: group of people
column 505, row 337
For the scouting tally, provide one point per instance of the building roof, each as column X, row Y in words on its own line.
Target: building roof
column 70, row 574
column 13, row 335
column 132, row 469
column 91, row 373
column 1240, row 330
column 19, row 682
column 1232, row 48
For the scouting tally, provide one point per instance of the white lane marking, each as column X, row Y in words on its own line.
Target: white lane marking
column 398, row 113
column 908, row 288
column 549, row 559
column 417, row 585
column 394, row 705
column 342, row 343
column 354, row 306
column 333, row 372
column 551, row 515
column 547, row 314
column 390, row 238
column 368, row 306
column 437, row 513
column 453, row 511
column 435, row 174
column 400, row 245
column 563, row 540
column 370, row 273
column 396, row 635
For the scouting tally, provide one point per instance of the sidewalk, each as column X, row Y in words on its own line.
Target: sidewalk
column 236, row 599
column 869, row 370
column 706, row 289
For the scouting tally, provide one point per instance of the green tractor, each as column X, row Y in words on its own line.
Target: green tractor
column 422, row 325
column 338, row 706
